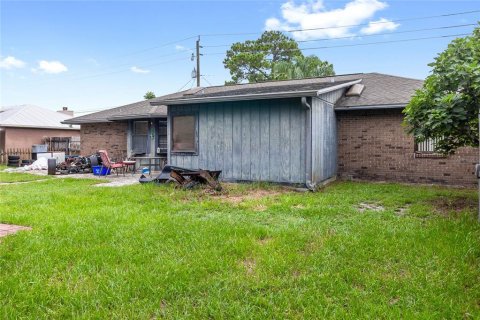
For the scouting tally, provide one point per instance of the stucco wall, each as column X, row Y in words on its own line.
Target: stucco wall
column 373, row 145
column 110, row 136
column 26, row 137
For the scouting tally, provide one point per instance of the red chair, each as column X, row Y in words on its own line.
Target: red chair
column 107, row 163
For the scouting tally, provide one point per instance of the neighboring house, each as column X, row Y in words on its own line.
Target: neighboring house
column 298, row 131
column 26, row 125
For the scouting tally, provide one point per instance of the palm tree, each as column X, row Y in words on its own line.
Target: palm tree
column 302, row 67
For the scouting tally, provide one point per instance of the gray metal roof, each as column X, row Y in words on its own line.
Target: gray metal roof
column 381, row 90
column 30, row 116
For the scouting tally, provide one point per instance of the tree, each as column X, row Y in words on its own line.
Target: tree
column 446, row 108
column 301, row 67
column 253, row 60
column 149, row 95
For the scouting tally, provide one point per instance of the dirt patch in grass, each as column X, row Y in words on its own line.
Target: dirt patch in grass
column 250, row 195
column 402, row 211
column 264, row 241
column 249, row 264
column 365, row 206
column 447, row 206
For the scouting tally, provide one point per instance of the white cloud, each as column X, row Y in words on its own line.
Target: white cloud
column 139, row 70
column 379, row 26
column 327, row 22
column 52, row 67
column 11, row 63
column 180, row 47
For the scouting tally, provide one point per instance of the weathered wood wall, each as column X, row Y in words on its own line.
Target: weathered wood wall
column 260, row 140
column 324, row 137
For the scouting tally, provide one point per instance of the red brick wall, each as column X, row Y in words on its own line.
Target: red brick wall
column 111, row 136
column 373, row 145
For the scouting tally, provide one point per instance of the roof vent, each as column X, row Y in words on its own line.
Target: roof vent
column 355, row 90
column 193, row 91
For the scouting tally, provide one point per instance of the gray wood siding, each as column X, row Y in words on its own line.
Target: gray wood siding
column 324, row 138
column 260, row 140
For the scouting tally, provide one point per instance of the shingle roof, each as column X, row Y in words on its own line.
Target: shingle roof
column 258, row 90
column 380, row 90
column 30, row 116
column 141, row 109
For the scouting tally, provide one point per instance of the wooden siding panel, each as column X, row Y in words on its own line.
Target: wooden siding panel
column 228, row 140
column 324, row 156
column 285, row 147
column 237, row 142
column 219, row 137
column 253, row 140
column 264, row 152
column 246, row 133
column 275, row 153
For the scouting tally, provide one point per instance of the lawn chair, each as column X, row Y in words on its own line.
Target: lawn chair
column 107, row 163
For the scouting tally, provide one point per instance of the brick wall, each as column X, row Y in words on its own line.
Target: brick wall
column 110, row 136
column 373, row 145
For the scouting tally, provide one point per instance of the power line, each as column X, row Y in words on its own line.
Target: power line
column 207, row 80
column 368, row 35
column 347, row 26
column 355, row 45
column 186, row 84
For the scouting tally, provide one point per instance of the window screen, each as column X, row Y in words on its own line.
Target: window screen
column 140, row 127
column 183, row 134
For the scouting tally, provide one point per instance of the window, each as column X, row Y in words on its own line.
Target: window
column 140, row 137
column 426, row 149
column 162, row 137
column 184, row 133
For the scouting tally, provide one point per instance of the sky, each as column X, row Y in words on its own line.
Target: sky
column 94, row 55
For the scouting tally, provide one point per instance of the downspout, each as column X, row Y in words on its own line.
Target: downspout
column 308, row 134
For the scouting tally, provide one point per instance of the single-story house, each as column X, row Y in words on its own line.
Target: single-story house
column 305, row 131
column 26, row 125
column 136, row 129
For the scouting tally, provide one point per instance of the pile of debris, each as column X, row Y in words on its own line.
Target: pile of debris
column 75, row 165
column 186, row 178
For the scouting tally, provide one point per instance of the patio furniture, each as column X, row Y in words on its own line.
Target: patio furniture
column 107, row 163
column 130, row 165
column 151, row 162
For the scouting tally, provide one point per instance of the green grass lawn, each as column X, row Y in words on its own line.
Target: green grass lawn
column 352, row 250
column 10, row 177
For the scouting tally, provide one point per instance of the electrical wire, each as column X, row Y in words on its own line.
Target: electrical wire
column 347, row 26
column 203, row 77
column 353, row 45
column 367, row 35
column 186, row 84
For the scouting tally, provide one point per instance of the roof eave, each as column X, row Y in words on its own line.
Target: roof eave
column 137, row 116
column 371, row 107
column 256, row 96
column 36, row 127
column 84, row 121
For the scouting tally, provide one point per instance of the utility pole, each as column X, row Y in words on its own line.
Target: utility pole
column 198, row 61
